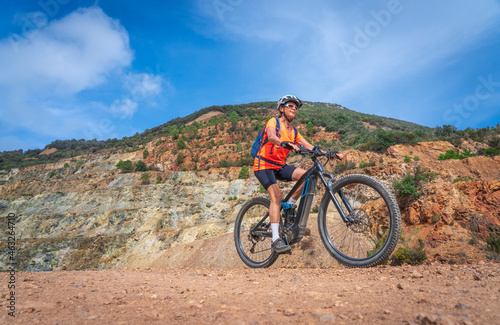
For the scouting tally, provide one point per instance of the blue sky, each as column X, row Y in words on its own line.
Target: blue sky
column 73, row 69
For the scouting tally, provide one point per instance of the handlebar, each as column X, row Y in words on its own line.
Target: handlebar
column 317, row 152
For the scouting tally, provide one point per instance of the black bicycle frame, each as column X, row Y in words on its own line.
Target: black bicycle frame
column 310, row 180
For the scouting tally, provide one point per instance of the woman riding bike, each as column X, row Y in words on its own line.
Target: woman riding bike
column 269, row 164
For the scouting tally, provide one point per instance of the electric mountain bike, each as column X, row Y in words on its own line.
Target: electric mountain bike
column 359, row 220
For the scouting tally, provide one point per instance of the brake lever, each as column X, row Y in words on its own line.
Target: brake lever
column 303, row 150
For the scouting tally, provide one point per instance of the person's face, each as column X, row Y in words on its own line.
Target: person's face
column 290, row 109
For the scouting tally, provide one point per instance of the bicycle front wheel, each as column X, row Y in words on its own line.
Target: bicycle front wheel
column 253, row 235
column 372, row 227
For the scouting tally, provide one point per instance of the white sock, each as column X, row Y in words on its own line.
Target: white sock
column 275, row 228
column 292, row 200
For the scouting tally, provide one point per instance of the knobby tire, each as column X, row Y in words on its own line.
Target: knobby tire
column 254, row 249
column 375, row 227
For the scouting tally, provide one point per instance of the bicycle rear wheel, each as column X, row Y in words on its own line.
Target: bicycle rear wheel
column 252, row 234
column 374, row 221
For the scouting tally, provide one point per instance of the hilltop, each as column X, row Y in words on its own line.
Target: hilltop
column 326, row 124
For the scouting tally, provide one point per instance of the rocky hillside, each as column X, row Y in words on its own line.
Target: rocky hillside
column 82, row 212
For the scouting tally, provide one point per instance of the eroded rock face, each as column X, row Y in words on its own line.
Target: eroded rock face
column 101, row 226
column 92, row 216
column 430, row 150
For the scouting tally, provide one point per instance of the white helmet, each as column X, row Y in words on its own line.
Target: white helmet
column 288, row 98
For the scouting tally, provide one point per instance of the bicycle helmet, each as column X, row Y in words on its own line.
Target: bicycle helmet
column 288, row 98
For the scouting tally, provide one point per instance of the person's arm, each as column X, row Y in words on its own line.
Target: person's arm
column 272, row 137
column 309, row 146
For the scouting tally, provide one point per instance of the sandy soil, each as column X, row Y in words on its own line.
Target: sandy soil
column 429, row 294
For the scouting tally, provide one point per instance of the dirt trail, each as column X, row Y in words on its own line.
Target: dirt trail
column 430, row 294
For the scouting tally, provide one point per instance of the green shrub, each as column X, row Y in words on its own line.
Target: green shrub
column 158, row 180
column 180, row 158
column 407, row 187
column 145, row 178
column 384, row 140
column 407, row 159
column 145, row 154
column 378, row 245
column 435, row 218
column 224, row 164
column 491, row 152
column 310, row 128
column 244, row 173
column 415, row 255
column 66, row 165
column 181, row 144
column 126, row 166
column 452, row 154
column 493, row 243
column 416, row 158
column 52, row 174
column 159, row 142
column 461, row 179
column 140, row 166
column 424, row 174
column 364, row 164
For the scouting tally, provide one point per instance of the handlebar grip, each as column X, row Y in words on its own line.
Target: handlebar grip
column 286, row 145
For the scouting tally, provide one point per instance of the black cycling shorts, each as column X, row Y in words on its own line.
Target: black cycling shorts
column 268, row 177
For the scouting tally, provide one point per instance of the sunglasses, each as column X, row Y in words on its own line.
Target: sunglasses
column 290, row 106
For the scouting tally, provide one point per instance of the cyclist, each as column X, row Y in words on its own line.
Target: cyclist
column 269, row 164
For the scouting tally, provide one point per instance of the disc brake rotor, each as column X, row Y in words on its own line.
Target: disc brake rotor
column 359, row 221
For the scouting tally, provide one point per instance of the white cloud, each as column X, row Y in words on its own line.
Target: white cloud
column 44, row 71
column 66, row 56
column 123, row 108
column 305, row 39
column 144, row 84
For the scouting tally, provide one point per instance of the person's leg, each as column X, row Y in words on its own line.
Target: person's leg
column 274, row 208
column 268, row 180
column 290, row 173
column 297, row 174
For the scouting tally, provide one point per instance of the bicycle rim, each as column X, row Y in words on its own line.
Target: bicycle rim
column 253, row 234
column 375, row 223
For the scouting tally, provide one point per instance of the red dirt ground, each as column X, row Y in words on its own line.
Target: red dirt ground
column 429, row 294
